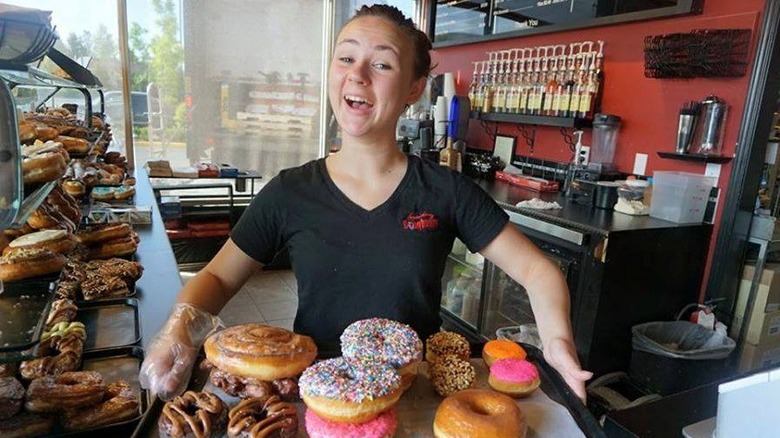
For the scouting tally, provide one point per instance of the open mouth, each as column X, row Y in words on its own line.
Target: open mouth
column 357, row 102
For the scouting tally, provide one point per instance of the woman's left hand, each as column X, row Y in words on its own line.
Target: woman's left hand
column 560, row 353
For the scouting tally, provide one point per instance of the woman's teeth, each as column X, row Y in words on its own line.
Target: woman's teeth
column 357, row 102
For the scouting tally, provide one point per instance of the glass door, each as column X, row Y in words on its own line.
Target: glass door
column 462, row 285
column 506, row 301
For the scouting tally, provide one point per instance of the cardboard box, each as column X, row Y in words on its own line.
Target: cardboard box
column 759, row 356
column 768, row 296
column 764, row 328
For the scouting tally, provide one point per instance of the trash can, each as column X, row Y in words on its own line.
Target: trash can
column 672, row 356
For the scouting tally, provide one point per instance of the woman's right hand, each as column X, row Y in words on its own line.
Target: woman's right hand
column 171, row 355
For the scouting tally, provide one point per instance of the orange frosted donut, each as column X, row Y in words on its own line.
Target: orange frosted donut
column 384, row 340
column 478, row 413
column 514, row 377
column 260, row 351
column 349, row 392
column 444, row 344
column 501, row 349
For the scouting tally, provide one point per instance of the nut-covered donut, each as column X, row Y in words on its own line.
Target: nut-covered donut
column 68, row 390
column 260, row 351
column 263, row 417
column 193, row 414
column 11, row 397
column 451, row 374
column 443, row 344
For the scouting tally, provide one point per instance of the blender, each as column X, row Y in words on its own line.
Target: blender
column 605, row 135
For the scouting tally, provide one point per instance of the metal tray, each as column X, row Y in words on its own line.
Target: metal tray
column 110, row 323
column 552, row 385
column 115, row 364
column 24, row 306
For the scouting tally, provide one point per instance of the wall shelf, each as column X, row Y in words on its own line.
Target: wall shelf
column 528, row 119
column 702, row 158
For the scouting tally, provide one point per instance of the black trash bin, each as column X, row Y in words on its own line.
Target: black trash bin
column 672, row 356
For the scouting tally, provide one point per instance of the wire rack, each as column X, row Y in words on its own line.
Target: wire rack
column 24, row 42
column 703, row 53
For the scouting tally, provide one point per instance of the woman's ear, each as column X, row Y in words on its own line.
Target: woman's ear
column 417, row 90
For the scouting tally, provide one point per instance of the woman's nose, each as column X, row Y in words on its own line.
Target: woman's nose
column 358, row 73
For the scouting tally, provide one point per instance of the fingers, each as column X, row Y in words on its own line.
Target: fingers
column 166, row 371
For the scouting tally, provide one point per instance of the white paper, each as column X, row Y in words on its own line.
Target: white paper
column 640, row 164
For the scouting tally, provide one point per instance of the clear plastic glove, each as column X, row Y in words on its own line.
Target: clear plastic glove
column 172, row 353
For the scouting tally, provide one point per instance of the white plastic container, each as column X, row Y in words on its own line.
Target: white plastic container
column 680, row 197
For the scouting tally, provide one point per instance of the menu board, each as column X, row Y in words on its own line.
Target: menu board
column 470, row 21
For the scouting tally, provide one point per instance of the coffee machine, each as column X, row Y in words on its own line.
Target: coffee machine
column 415, row 135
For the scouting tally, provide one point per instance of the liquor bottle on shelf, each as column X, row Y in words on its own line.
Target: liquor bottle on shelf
column 499, row 91
column 586, row 92
column 489, row 89
column 513, row 96
column 551, row 87
column 568, row 83
column 525, row 81
column 474, row 87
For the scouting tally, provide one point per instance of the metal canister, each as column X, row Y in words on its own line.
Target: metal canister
column 713, row 114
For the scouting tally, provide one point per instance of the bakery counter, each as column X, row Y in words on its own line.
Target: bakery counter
column 572, row 215
column 160, row 284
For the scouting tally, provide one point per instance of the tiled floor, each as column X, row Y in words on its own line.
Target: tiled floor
column 269, row 297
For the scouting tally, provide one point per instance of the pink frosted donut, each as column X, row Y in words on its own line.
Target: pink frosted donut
column 384, row 340
column 382, row 426
column 514, row 377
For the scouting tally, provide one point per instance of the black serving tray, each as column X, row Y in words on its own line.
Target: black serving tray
column 24, row 306
column 115, row 364
column 110, row 323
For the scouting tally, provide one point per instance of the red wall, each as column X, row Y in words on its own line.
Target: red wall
column 648, row 107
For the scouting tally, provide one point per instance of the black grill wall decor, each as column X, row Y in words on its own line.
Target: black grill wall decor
column 702, row 53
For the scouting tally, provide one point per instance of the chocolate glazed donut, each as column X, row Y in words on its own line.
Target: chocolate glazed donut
column 193, row 414
column 263, row 417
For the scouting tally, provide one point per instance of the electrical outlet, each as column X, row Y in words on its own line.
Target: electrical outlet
column 584, row 155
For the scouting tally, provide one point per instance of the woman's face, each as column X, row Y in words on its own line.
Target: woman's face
column 371, row 77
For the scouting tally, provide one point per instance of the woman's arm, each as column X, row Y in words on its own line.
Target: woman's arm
column 222, row 277
column 514, row 254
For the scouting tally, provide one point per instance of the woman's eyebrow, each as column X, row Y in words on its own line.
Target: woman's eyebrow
column 380, row 47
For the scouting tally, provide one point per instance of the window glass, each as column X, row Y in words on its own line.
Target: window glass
column 234, row 82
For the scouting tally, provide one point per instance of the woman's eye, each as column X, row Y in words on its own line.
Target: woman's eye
column 382, row 66
column 346, row 59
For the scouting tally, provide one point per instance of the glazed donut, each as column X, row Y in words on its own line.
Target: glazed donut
column 24, row 263
column 260, row 351
column 514, row 377
column 96, row 287
column 58, row 241
column 263, row 417
column 26, row 131
column 193, row 414
column 384, row 340
column 74, row 188
column 26, row 424
column 383, row 426
column 119, row 403
column 114, row 248
column 44, row 132
column 65, row 203
column 443, row 344
column 73, row 144
column 62, row 310
column 501, row 349
column 349, row 392
column 68, row 390
column 11, row 396
column 101, row 233
column 450, row 375
column 479, row 413
column 49, row 166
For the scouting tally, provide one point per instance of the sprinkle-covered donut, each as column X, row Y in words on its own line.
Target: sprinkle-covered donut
column 384, row 340
column 349, row 392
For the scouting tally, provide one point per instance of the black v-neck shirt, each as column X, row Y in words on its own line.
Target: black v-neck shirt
column 351, row 263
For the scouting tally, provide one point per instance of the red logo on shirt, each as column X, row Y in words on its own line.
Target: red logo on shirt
column 421, row 222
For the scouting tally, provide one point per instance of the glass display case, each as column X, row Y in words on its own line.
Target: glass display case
column 461, row 294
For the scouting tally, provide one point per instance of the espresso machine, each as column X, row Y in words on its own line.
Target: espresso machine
column 415, row 136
